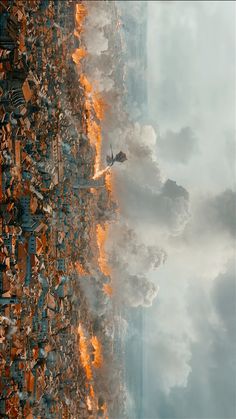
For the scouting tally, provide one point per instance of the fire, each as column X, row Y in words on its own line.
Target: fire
column 91, row 390
column 102, row 234
column 107, row 289
column 85, row 83
column 94, row 135
column 99, row 106
column 84, row 353
column 97, row 362
column 93, row 129
column 78, row 55
column 89, row 403
column 80, row 14
column 108, row 180
column 94, row 104
column 101, row 172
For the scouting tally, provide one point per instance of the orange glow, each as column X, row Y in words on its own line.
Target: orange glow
column 85, row 83
column 98, row 359
column 99, row 106
column 102, row 234
column 107, row 289
column 78, row 55
column 108, row 181
column 89, row 403
column 92, row 394
column 80, row 14
column 101, row 172
column 94, row 135
column 80, row 269
column 93, row 129
column 84, row 353
column 94, row 104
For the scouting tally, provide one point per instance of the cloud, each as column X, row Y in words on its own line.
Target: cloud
column 129, row 252
column 222, row 210
column 95, row 41
column 214, row 215
column 213, row 363
column 97, row 16
column 93, row 34
column 137, row 291
column 166, row 208
column 178, row 146
column 194, row 369
column 131, row 261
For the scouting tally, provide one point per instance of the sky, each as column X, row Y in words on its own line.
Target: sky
column 190, row 336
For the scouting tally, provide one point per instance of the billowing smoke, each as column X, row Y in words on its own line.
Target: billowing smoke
column 130, row 253
column 96, row 42
column 138, row 291
column 98, row 16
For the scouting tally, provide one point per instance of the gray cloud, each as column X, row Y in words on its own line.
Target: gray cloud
column 131, row 261
column 222, row 208
column 179, row 146
column 216, row 214
column 137, row 291
column 129, row 252
column 211, row 389
column 167, row 208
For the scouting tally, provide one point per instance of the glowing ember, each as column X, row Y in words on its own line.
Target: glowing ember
column 102, row 234
column 97, row 362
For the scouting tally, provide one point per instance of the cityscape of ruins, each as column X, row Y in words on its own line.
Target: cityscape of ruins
column 117, row 209
column 63, row 317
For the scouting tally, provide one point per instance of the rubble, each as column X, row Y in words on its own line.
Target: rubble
column 49, row 214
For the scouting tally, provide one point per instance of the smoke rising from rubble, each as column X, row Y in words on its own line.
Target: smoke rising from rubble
column 138, row 291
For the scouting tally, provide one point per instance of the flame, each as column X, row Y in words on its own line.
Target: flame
column 93, row 129
column 84, row 353
column 99, row 106
column 101, row 172
column 89, row 403
column 102, row 234
column 80, row 14
column 94, row 104
column 98, row 359
column 78, row 55
column 107, row 289
column 108, row 180
column 91, row 390
column 85, row 83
